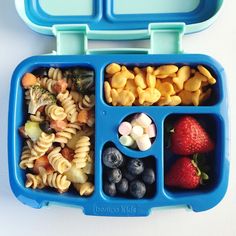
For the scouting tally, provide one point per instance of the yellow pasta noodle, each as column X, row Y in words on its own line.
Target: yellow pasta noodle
column 56, row 180
column 34, row 181
column 85, row 189
column 82, row 151
column 64, row 136
column 69, row 106
column 57, row 161
column 42, row 145
column 87, row 103
column 55, row 73
column 55, row 112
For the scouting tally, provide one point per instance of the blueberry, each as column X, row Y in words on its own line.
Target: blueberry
column 137, row 189
column 112, row 158
column 148, row 176
column 114, row 175
column 122, row 186
column 109, row 189
column 127, row 175
column 135, row 167
column 45, row 127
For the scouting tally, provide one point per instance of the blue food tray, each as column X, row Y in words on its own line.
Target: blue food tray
column 107, row 121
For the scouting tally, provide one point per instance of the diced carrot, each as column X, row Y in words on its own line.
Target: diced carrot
column 83, row 116
column 29, row 80
column 68, row 153
column 43, row 163
column 60, row 86
column 58, row 125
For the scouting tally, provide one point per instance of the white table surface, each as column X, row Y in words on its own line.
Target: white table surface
column 17, row 42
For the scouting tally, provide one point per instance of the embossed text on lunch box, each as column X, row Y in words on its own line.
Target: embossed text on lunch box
column 123, row 209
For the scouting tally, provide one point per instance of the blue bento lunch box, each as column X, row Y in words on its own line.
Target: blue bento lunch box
column 164, row 23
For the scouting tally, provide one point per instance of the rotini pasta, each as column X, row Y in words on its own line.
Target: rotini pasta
column 58, row 151
column 85, row 189
column 42, row 145
column 82, row 151
column 34, row 181
column 55, row 112
column 57, row 161
column 69, row 106
column 26, row 160
column 48, row 84
column 55, row 73
column 64, row 136
column 87, row 103
column 56, row 180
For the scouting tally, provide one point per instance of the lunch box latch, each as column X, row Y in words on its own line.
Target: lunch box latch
column 165, row 38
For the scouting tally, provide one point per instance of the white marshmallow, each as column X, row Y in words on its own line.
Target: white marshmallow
column 126, row 141
column 136, row 132
column 143, row 120
column 144, row 142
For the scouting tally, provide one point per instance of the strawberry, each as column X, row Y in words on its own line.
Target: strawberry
column 185, row 174
column 188, row 137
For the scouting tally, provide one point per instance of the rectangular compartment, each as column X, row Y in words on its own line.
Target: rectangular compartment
column 97, row 204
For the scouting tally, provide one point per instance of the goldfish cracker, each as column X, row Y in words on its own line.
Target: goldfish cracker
column 124, row 98
column 162, row 76
column 150, row 78
column 204, row 71
column 186, row 97
column 168, row 80
column 107, row 89
column 164, row 101
column 183, row 74
column 131, row 86
column 193, row 84
column 119, row 79
column 113, row 69
column 166, row 89
column 175, row 101
column 151, row 95
column 166, row 70
column 196, row 97
column 140, row 81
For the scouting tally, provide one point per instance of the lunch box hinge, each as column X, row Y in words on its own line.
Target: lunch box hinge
column 166, row 38
column 71, row 39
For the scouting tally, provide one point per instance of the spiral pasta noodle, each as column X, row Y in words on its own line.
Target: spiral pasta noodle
column 55, row 73
column 58, row 162
column 42, row 145
column 37, row 117
column 48, row 84
column 56, row 180
column 69, row 106
column 55, row 112
column 85, row 189
column 34, row 181
column 87, row 103
column 64, row 136
column 82, row 151
column 26, row 160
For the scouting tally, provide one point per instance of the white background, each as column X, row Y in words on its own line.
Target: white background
column 18, row 42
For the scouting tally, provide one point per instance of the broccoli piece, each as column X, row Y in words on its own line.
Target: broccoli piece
column 84, row 79
column 39, row 97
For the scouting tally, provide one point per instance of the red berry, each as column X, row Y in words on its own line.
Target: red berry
column 183, row 174
column 190, row 138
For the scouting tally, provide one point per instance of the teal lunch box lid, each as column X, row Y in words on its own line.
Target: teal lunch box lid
column 74, row 22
